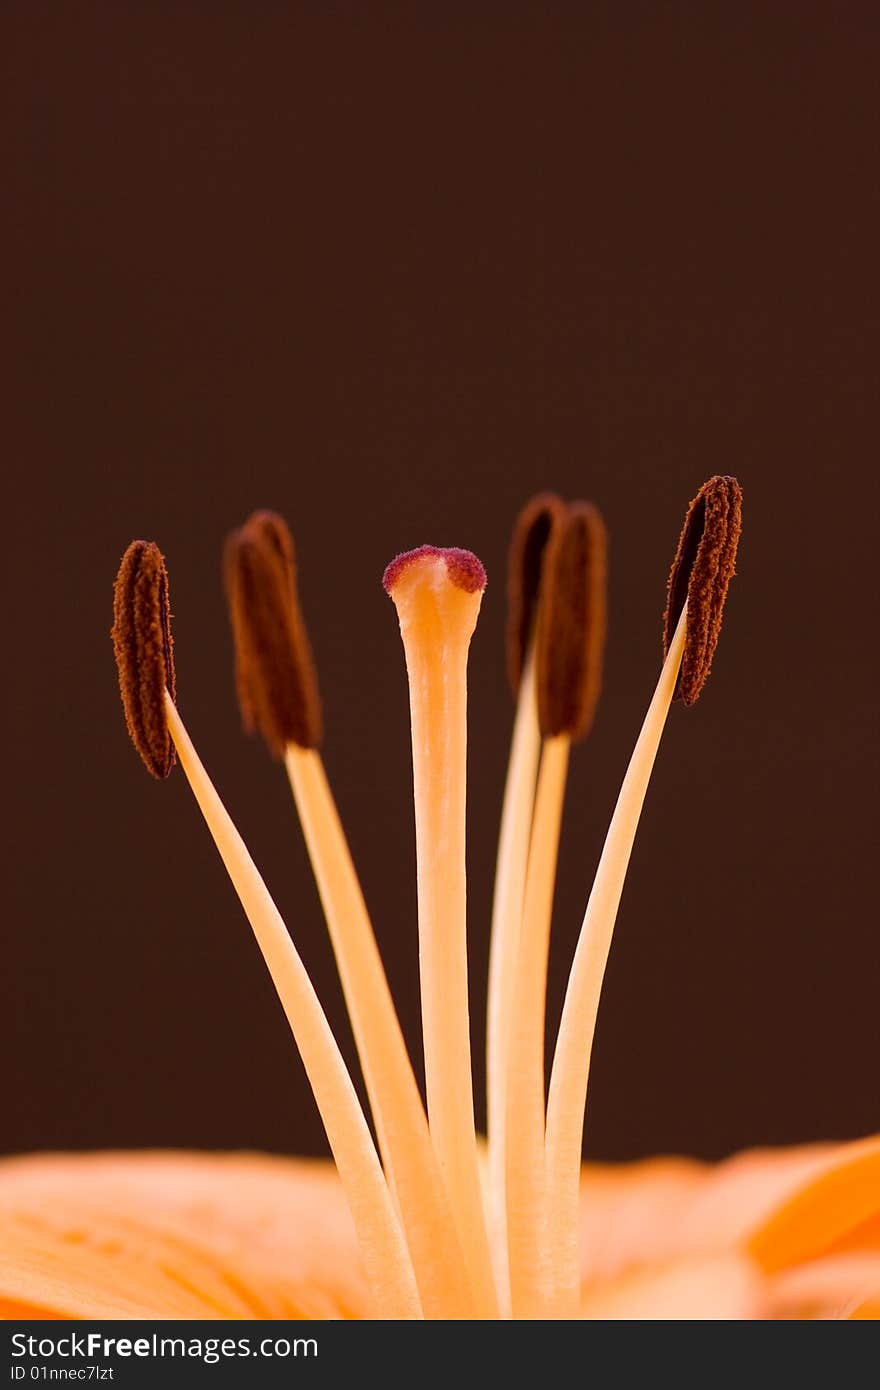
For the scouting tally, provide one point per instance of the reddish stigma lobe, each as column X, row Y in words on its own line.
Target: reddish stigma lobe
column 465, row 571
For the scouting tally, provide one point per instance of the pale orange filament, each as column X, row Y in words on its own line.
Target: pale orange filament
column 404, row 1138
column 386, row 1257
column 507, row 908
column 571, row 1064
column 530, row 1276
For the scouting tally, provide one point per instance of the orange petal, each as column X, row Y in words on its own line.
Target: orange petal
column 832, row 1287
column 663, row 1209
column 715, row 1287
column 242, row 1236
column 839, row 1202
column 869, row 1309
column 648, row 1230
column 176, row 1235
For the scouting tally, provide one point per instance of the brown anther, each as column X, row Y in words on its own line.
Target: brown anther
column 703, row 567
column 274, row 670
column 272, row 530
column 143, row 647
column 531, row 532
column 570, row 632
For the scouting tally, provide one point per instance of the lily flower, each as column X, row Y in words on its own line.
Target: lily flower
column 428, row 1220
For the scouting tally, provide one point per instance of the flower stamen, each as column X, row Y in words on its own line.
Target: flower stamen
column 386, row 1257
column 571, row 1062
column 401, row 1125
column 384, row 1249
column 570, row 632
column 143, row 647
column 531, row 533
column 701, row 572
column 274, row 672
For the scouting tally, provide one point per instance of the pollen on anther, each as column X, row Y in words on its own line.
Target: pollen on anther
column 275, row 673
column 570, row 637
column 531, row 533
column 142, row 645
column 704, row 564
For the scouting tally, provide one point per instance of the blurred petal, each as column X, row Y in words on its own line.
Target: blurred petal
column 176, row 1235
column 720, row 1287
column 663, row 1209
column 868, row 1310
column 827, row 1288
column 652, row 1231
column 790, row 1233
column 838, row 1205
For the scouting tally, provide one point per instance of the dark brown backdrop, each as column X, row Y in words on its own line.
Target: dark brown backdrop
column 390, row 272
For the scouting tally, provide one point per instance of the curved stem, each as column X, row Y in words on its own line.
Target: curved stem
column 530, row 1276
column 571, row 1063
column 386, row 1258
column 401, row 1124
column 507, row 908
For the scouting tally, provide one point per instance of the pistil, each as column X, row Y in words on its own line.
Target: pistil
column 437, row 594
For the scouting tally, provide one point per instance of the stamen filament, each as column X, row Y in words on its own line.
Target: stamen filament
column 437, row 618
column 386, row 1258
column 571, row 1063
column 530, row 1275
column 401, row 1125
column 507, row 908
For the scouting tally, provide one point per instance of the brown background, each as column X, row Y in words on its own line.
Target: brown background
column 390, row 271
